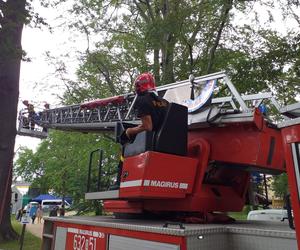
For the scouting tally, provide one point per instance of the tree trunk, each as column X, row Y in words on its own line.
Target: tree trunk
column 156, row 66
column 12, row 22
column 6, row 230
column 168, row 59
column 223, row 20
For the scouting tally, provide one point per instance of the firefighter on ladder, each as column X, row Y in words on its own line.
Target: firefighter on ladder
column 31, row 114
column 151, row 109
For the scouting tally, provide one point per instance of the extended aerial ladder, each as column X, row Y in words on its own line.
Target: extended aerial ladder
column 228, row 137
column 102, row 114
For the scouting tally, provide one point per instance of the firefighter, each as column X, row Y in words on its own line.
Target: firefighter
column 31, row 114
column 46, row 107
column 151, row 109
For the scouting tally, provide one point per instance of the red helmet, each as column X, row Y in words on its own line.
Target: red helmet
column 25, row 102
column 144, row 82
column 46, row 105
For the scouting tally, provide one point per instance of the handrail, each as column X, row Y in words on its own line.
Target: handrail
column 90, row 169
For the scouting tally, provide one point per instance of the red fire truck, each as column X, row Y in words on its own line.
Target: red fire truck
column 189, row 174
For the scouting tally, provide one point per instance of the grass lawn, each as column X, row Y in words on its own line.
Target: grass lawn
column 31, row 242
column 238, row 215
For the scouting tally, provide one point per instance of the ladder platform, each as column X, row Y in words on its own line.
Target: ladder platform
column 32, row 133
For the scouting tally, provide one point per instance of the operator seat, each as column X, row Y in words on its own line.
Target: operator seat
column 171, row 138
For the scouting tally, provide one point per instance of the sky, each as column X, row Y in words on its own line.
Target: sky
column 38, row 84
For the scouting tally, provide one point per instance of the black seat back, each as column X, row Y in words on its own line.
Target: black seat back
column 171, row 138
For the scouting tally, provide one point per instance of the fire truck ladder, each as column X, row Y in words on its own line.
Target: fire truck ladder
column 103, row 114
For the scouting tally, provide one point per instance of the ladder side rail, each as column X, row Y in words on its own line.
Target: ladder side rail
column 107, row 112
column 260, row 96
column 236, row 94
column 77, row 114
column 83, row 115
column 68, row 115
column 275, row 103
column 130, row 107
column 110, row 114
column 61, row 116
column 53, row 115
column 233, row 105
column 222, row 100
column 86, row 115
column 99, row 115
column 252, row 97
column 103, row 113
column 64, row 115
column 213, row 76
column 90, row 116
column 290, row 107
column 119, row 114
column 94, row 115
column 71, row 115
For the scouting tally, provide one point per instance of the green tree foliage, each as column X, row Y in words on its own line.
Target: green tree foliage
column 60, row 164
column 174, row 38
column 280, row 185
column 171, row 38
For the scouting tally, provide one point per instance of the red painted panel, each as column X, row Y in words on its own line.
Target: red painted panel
column 103, row 102
column 157, row 175
column 292, row 135
column 81, row 237
column 163, row 238
column 119, row 206
column 204, row 201
column 244, row 144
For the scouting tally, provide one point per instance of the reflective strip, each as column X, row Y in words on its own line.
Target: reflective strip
column 73, row 230
column 136, row 183
column 183, row 186
column 296, row 158
column 146, row 183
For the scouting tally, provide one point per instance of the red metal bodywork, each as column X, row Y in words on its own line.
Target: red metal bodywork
column 103, row 102
column 217, row 170
column 156, row 175
column 291, row 135
column 95, row 237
